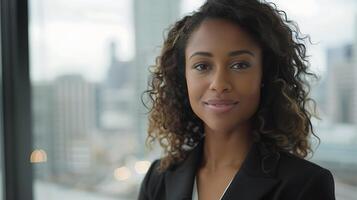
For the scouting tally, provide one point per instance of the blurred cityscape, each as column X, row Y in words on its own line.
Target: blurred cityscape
column 89, row 136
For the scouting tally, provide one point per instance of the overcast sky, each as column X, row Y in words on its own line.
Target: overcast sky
column 72, row 36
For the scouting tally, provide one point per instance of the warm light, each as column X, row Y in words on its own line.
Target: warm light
column 122, row 173
column 141, row 167
column 38, row 156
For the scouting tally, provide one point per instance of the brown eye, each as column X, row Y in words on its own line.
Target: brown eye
column 240, row 65
column 201, row 67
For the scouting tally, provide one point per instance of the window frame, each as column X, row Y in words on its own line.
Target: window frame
column 16, row 88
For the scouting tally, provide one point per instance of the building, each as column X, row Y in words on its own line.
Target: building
column 341, row 83
column 42, row 118
column 116, row 96
column 152, row 20
column 120, row 73
column 74, row 116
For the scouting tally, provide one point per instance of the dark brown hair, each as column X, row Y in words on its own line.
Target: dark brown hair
column 283, row 119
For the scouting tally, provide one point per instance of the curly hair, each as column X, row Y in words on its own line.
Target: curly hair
column 283, row 118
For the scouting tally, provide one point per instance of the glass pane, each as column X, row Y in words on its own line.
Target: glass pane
column 89, row 63
column 333, row 58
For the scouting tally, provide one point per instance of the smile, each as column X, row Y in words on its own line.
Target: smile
column 220, row 107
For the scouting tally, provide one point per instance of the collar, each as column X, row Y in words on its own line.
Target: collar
column 257, row 171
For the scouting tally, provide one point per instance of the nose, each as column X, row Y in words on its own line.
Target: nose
column 220, row 81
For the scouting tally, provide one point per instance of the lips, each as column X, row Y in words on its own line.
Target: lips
column 220, row 105
column 219, row 102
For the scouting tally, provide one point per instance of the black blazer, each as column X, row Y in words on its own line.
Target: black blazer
column 263, row 175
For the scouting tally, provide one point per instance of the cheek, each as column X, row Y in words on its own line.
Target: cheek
column 250, row 100
column 250, row 89
column 193, row 88
column 250, row 85
column 249, row 92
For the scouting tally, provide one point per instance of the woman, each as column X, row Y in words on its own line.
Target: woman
column 230, row 108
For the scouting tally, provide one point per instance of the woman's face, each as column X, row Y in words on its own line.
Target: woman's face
column 223, row 74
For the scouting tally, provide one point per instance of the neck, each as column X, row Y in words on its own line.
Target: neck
column 226, row 149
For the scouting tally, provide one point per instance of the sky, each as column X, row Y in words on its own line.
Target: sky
column 72, row 36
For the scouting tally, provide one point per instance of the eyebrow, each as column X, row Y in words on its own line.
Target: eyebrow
column 231, row 54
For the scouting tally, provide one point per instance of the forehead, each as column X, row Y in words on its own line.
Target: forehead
column 214, row 34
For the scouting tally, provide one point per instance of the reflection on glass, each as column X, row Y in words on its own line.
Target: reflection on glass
column 89, row 65
column 38, row 156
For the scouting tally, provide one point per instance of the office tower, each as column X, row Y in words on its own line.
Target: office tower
column 341, row 84
column 119, row 74
column 42, row 118
column 152, row 19
column 74, row 122
column 116, row 96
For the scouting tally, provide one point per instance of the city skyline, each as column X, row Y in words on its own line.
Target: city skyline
column 87, row 74
column 76, row 41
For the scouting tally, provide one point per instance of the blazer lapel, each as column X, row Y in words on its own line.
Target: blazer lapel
column 179, row 180
column 255, row 178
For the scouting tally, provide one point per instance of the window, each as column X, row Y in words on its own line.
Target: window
column 333, row 58
column 86, row 69
column 15, row 99
column 1, row 124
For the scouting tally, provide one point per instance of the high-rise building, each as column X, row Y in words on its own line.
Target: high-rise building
column 74, row 121
column 116, row 96
column 341, row 84
column 42, row 110
column 152, row 20
column 119, row 74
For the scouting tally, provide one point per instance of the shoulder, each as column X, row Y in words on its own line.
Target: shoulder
column 156, row 182
column 291, row 164
column 308, row 179
column 152, row 181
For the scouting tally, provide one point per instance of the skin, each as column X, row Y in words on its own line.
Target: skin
column 222, row 61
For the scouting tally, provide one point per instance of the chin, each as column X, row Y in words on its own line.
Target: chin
column 221, row 125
